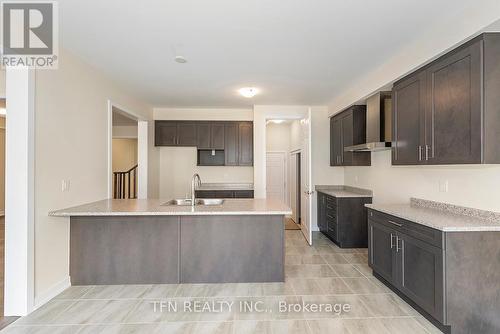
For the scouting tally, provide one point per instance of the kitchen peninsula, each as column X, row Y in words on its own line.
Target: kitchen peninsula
column 149, row 242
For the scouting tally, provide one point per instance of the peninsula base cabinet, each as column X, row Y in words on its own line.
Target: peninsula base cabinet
column 449, row 277
column 343, row 220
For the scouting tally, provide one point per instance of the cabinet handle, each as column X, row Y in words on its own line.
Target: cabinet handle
column 394, row 223
column 397, row 244
column 392, row 243
column 419, row 152
column 427, row 152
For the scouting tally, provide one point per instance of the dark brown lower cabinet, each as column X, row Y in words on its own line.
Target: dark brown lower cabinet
column 446, row 276
column 224, row 193
column 343, row 219
column 413, row 266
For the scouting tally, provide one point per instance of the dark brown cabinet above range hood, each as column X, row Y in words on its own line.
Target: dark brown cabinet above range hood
column 378, row 124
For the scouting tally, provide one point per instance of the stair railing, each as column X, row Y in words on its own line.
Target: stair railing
column 125, row 184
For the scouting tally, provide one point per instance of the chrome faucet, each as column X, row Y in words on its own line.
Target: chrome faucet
column 195, row 182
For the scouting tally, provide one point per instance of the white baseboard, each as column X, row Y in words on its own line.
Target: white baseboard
column 51, row 292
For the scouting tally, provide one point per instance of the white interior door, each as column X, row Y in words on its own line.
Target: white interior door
column 306, row 179
column 276, row 176
column 293, row 186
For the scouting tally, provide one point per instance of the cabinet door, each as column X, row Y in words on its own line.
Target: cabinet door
column 335, row 141
column 421, row 274
column 165, row 133
column 203, row 135
column 381, row 250
column 186, row 134
column 333, row 155
column 453, row 122
column 231, row 144
column 243, row 194
column 223, row 194
column 245, row 156
column 408, row 120
column 205, row 194
column 217, row 136
column 347, row 139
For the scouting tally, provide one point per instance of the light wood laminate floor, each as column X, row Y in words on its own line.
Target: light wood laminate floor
column 319, row 275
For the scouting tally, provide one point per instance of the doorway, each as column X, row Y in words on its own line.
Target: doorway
column 127, row 154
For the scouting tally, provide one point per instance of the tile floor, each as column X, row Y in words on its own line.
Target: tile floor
column 338, row 282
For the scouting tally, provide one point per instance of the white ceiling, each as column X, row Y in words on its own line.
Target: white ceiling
column 295, row 51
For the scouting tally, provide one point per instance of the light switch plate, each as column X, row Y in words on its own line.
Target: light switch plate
column 65, row 185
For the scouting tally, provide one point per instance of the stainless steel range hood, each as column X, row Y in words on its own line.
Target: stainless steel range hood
column 378, row 124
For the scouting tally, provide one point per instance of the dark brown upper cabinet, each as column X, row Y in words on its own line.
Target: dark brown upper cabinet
column 165, row 133
column 245, row 143
column 449, row 111
column 186, row 134
column 231, row 141
column 203, row 135
column 346, row 129
column 217, row 136
column 210, row 136
column 174, row 133
column 408, row 120
column 231, row 145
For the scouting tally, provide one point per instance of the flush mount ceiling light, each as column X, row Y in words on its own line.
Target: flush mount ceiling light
column 248, row 92
column 180, row 59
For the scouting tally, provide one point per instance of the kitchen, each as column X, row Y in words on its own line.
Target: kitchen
column 305, row 180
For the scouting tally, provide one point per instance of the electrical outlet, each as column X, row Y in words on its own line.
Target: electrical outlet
column 65, row 185
column 443, row 186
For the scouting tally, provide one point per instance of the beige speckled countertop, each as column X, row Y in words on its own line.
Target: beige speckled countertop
column 154, row 207
column 441, row 216
column 343, row 191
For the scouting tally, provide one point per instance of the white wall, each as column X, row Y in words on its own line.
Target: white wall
column 473, row 186
column 322, row 172
column 178, row 164
column 124, row 131
column 437, row 40
column 2, row 83
column 124, row 154
column 71, row 143
column 278, row 137
column 203, row 114
column 261, row 114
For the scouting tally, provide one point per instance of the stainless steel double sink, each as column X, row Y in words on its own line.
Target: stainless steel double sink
column 201, row 201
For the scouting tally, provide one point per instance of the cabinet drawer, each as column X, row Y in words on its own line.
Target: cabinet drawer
column 421, row 232
column 331, row 215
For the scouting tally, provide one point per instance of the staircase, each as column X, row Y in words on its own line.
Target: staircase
column 125, row 184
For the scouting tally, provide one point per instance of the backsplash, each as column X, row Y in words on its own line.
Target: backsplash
column 460, row 210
